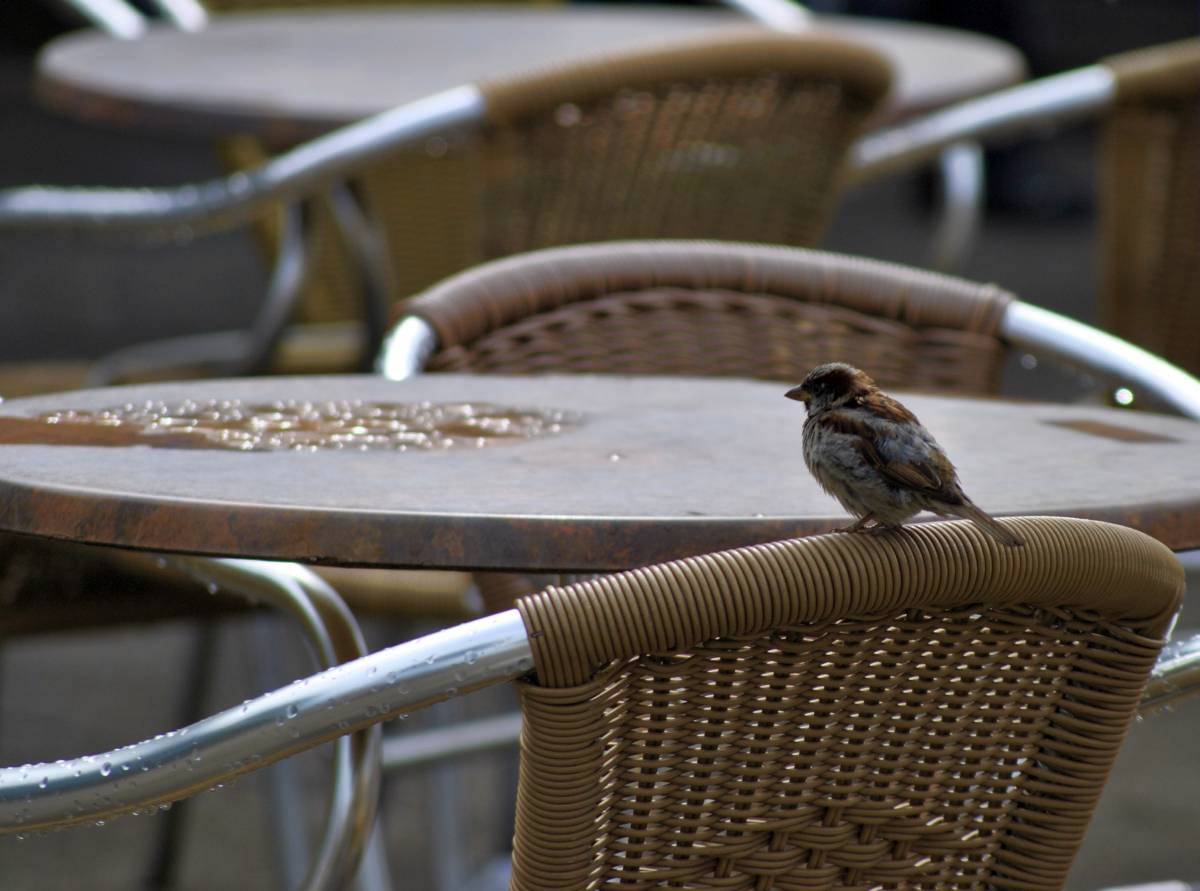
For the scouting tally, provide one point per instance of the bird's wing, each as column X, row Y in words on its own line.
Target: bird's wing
column 919, row 472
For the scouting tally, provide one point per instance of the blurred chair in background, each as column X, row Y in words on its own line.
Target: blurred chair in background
column 426, row 197
column 741, row 133
column 1150, row 202
column 1148, row 102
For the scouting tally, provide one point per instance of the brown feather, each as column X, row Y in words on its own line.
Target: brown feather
column 885, row 407
column 849, row 416
column 919, row 476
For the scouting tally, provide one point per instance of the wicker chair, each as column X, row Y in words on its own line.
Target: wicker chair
column 922, row 710
column 725, row 308
column 739, row 134
column 925, row 711
column 1150, row 202
column 1148, row 102
column 723, row 136
column 713, row 308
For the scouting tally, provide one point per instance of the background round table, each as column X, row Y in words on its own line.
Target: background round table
column 649, row 469
column 290, row 75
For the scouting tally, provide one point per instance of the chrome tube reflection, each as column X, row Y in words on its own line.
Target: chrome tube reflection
column 232, row 199
column 114, row 17
column 406, row 349
column 1176, row 675
column 1049, row 334
column 313, row 710
column 1058, row 99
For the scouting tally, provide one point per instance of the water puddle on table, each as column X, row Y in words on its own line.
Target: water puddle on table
column 288, row 425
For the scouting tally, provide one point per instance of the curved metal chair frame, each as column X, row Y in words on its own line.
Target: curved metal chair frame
column 312, row 172
column 505, row 646
column 335, row 639
column 114, row 17
column 119, row 19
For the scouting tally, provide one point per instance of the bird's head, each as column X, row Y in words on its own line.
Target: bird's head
column 831, row 385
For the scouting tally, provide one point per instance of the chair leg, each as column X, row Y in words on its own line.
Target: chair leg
column 445, row 780
column 283, row 785
column 197, row 683
column 374, row 873
column 282, row 780
column 960, row 168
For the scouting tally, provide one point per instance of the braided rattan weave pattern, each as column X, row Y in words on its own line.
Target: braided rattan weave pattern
column 920, row 710
column 1150, row 177
column 735, row 136
column 709, row 308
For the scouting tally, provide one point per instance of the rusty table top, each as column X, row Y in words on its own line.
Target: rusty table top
column 552, row 473
column 289, row 75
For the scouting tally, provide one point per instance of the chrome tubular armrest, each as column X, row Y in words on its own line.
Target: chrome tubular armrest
column 114, row 17
column 1040, row 331
column 188, row 15
column 337, row 701
column 1055, row 100
column 782, row 15
column 406, row 349
column 1176, row 675
column 230, row 200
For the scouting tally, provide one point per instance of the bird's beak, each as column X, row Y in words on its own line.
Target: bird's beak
column 798, row 393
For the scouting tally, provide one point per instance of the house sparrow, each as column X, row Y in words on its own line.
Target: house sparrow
column 872, row 454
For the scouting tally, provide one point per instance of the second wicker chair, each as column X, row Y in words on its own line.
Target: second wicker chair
column 713, row 308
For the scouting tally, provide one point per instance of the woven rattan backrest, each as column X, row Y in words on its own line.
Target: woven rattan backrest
column 708, row 308
column 924, row 710
column 1150, row 180
column 739, row 134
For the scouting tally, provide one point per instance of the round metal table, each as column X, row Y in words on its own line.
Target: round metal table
column 639, row 470
column 290, row 75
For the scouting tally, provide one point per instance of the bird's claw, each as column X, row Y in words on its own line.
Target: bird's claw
column 862, row 528
column 880, row 529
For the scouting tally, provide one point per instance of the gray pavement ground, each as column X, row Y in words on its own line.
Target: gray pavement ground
column 69, row 693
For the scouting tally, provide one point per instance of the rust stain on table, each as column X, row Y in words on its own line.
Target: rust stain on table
column 1111, row 431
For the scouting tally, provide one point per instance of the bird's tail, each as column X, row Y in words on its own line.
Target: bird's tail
column 968, row 511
